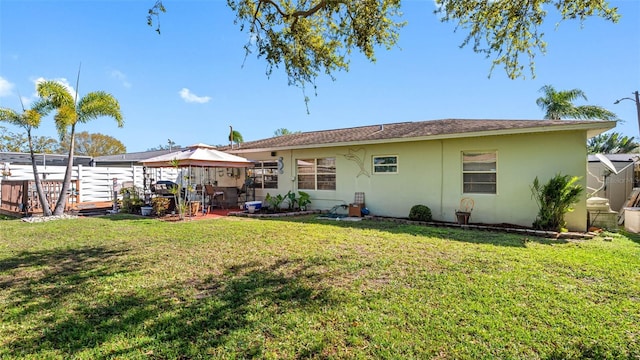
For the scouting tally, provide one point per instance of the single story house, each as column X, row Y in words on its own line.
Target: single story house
column 435, row 163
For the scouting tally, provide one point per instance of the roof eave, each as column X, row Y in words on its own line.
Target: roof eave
column 592, row 129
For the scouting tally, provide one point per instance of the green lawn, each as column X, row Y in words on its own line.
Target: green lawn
column 119, row 287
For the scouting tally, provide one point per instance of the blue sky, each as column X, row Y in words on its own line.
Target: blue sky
column 189, row 83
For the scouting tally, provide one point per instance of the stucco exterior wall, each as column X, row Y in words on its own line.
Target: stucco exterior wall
column 521, row 158
column 430, row 173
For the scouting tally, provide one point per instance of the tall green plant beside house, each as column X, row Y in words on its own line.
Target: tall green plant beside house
column 180, row 203
column 291, row 199
column 274, row 202
column 29, row 120
column 555, row 199
column 304, row 200
column 70, row 112
column 182, row 206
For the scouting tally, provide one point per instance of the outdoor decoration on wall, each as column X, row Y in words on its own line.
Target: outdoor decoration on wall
column 357, row 156
column 280, row 165
column 6, row 170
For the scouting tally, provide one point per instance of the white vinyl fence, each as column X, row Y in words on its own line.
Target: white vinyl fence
column 96, row 183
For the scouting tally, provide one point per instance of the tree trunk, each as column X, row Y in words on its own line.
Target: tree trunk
column 66, row 184
column 46, row 210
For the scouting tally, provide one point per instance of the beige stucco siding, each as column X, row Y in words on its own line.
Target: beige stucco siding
column 520, row 159
column 430, row 173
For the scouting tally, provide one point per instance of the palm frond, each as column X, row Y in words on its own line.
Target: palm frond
column 65, row 117
column 55, row 93
column 11, row 117
column 595, row 112
column 97, row 104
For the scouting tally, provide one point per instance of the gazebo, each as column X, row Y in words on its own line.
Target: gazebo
column 208, row 170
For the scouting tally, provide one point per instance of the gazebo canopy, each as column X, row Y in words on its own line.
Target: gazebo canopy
column 198, row 155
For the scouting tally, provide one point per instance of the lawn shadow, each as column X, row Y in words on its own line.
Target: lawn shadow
column 476, row 236
column 57, row 266
column 37, row 285
column 234, row 311
column 631, row 236
column 75, row 301
column 124, row 216
column 594, row 350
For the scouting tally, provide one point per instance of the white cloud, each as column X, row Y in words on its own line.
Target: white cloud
column 119, row 75
column 6, row 88
column 190, row 97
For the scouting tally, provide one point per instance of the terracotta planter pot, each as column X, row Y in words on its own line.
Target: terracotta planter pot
column 463, row 217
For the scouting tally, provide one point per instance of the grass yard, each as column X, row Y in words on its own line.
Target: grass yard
column 129, row 288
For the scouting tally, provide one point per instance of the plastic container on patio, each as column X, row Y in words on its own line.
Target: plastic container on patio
column 632, row 219
column 256, row 205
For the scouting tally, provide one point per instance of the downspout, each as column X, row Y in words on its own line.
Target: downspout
column 292, row 178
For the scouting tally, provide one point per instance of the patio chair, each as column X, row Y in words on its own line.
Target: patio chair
column 466, row 204
column 216, row 198
column 464, row 213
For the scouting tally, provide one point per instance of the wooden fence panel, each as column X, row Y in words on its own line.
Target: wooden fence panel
column 21, row 196
column 11, row 199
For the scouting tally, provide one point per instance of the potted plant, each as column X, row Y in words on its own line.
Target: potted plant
column 160, row 205
column 291, row 199
column 131, row 200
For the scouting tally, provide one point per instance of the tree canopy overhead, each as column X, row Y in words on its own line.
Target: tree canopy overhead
column 310, row 37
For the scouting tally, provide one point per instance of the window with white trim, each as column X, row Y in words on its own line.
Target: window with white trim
column 385, row 164
column 317, row 174
column 265, row 175
column 479, row 172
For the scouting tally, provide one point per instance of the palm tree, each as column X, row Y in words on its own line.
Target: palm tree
column 70, row 112
column 29, row 120
column 234, row 137
column 559, row 105
column 281, row 131
column 613, row 143
column 284, row 131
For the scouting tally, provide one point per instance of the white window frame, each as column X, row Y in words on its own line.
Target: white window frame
column 315, row 173
column 491, row 171
column 260, row 171
column 375, row 166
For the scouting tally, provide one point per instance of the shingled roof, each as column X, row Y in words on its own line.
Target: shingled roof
column 422, row 130
column 134, row 157
column 43, row 159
